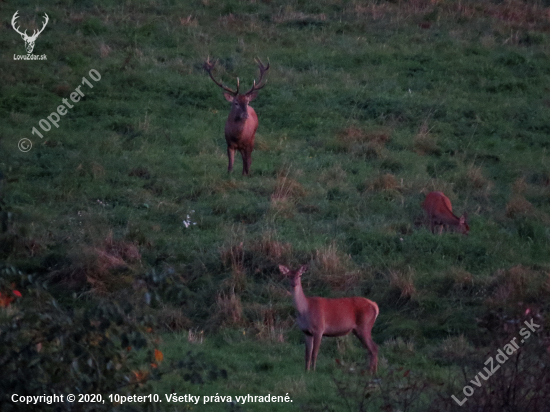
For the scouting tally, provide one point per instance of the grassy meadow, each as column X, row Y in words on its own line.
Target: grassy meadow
column 123, row 219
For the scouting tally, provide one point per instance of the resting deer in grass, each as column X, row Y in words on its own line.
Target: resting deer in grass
column 440, row 212
column 318, row 317
column 242, row 123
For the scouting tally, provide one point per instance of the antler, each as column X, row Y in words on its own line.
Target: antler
column 15, row 17
column 34, row 34
column 208, row 67
column 47, row 19
column 263, row 69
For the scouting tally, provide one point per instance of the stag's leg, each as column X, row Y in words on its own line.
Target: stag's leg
column 245, row 162
column 309, row 348
column 364, row 336
column 316, row 344
column 248, row 160
column 231, row 156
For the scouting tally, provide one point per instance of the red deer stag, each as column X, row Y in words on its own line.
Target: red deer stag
column 318, row 317
column 242, row 122
column 440, row 212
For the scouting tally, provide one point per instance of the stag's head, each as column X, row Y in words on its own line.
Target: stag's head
column 29, row 40
column 239, row 102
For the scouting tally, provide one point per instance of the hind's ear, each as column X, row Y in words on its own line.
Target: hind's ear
column 284, row 270
column 303, row 269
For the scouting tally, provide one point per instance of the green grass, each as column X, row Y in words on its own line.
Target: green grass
column 365, row 111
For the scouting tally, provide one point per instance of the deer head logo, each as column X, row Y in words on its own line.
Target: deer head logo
column 29, row 40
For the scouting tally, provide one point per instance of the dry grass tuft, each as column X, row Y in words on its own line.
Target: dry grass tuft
column 403, row 282
column 424, row 142
column 382, row 183
column 233, row 256
column 223, row 186
column 173, row 320
column 104, row 267
column 195, row 336
column 289, row 16
column 364, row 143
column 475, row 177
column 519, row 186
column 287, row 188
column 517, row 285
column 515, row 14
column 400, row 346
column 271, row 248
column 519, row 206
column 104, row 50
column 462, row 279
column 229, row 310
column 287, row 191
column 189, row 21
column 335, row 268
column 454, row 348
column 269, row 328
column 472, row 179
column 333, row 177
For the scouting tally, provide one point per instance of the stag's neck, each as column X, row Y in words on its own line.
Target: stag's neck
column 300, row 300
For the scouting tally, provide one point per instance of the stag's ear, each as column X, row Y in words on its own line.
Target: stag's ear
column 303, row 269
column 284, row 270
column 228, row 97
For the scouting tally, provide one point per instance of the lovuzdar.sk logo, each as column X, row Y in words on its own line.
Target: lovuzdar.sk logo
column 29, row 40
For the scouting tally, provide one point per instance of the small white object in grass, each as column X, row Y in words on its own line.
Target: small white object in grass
column 188, row 221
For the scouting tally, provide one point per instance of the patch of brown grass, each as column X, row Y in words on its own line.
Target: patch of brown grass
column 287, row 188
column 454, row 348
column 519, row 206
column 519, row 186
column 104, row 50
column 425, row 143
column 228, row 310
column 172, row 319
column 288, row 15
column 517, row 285
column 270, row 328
column 403, row 282
column 382, row 183
column 232, row 255
column 364, row 143
column 524, row 14
column 104, row 267
column 335, row 268
column 333, row 177
column 189, row 21
column 287, row 191
column 462, row 278
column 271, row 248
column 195, row 336
column 472, row 178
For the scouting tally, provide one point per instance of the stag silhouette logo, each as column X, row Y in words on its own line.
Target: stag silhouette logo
column 29, row 40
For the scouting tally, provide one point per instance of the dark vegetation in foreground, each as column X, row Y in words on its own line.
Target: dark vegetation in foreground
column 143, row 267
